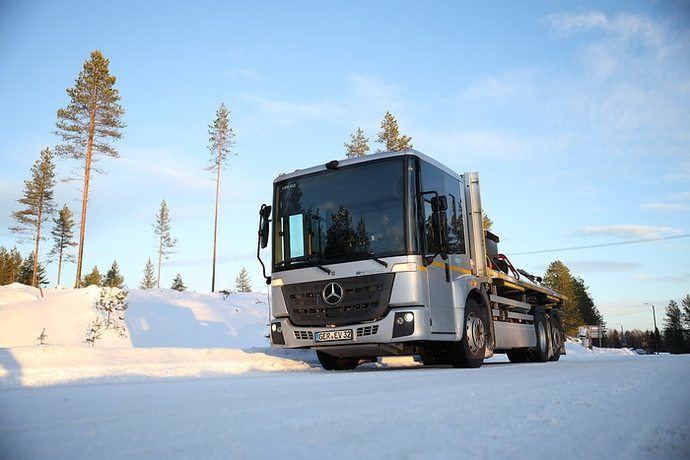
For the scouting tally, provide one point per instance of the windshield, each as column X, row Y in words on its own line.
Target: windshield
column 355, row 212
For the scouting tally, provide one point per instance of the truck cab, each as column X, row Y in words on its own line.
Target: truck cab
column 386, row 255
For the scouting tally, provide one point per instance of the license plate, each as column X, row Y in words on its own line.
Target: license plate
column 330, row 336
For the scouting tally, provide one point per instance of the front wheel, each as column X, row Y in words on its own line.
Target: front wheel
column 469, row 352
column 335, row 363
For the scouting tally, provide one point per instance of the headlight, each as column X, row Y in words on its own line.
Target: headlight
column 277, row 282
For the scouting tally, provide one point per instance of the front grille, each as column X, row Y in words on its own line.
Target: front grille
column 304, row 335
column 367, row 330
column 365, row 298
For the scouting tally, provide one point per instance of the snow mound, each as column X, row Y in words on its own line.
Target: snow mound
column 167, row 318
column 576, row 351
column 155, row 318
column 54, row 365
column 66, row 314
column 16, row 292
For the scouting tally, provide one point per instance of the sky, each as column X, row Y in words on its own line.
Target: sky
column 575, row 114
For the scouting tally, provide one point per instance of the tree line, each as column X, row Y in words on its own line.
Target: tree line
column 87, row 128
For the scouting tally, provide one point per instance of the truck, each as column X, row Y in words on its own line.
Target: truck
column 387, row 255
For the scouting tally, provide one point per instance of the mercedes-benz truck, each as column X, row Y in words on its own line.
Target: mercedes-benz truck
column 386, row 254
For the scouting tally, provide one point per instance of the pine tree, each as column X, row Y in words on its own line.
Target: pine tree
column 32, row 274
column 149, row 280
column 94, row 278
column 358, row 145
column 111, row 305
column 686, row 315
column 62, row 236
column 673, row 329
column 88, row 125
column 558, row 278
column 221, row 139
column 10, row 266
column 487, row 223
column 390, row 135
column 93, row 333
column 178, row 285
column 38, row 205
column 243, row 282
column 166, row 243
column 585, row 304
column 114, row 279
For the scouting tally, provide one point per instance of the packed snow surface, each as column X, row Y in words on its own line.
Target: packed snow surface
column 142, row 396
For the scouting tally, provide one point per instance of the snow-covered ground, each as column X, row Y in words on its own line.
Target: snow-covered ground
column 142, row 397
column 622, row 407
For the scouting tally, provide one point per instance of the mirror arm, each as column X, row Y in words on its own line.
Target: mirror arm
column 262, row 216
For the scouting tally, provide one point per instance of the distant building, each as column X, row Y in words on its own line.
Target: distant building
column 589, row 335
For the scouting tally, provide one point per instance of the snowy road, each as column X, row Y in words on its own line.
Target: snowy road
column 620, row 407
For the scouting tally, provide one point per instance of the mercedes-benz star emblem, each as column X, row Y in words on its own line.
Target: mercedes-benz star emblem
column 332, row 293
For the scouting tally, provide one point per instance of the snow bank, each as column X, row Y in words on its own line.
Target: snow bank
column 576, row 351
column 155, row 318
column 168, row 318
column 65, row 314
column 169, row 334
column 51, row 365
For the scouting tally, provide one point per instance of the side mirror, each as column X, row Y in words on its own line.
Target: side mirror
column 264, row 219
column 439, row 203
column 439, row 206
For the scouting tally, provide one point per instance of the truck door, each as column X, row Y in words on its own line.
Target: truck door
column 439, row 273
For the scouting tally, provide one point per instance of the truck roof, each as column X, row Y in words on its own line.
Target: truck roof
column 374, row 156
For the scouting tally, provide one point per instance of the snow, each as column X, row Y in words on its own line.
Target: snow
column 195, row 377
column 155, row 318
column 622, row 407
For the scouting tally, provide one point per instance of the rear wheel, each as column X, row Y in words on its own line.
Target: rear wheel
column 557, row 336
column 335, row 363
column 469, row 352
column 541, row 329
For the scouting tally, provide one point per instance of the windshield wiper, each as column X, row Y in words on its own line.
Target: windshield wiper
column 372, row 257
column 313, row 258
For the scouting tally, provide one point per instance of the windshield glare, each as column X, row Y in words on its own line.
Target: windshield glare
column 352, row 213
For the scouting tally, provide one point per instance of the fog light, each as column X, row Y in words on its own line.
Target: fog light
column 274, row 327
column 403, row 324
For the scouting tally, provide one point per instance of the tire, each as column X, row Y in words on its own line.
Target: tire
column 335, row 363
column 541, row 329
column 469, row 352
column 519, row 356
column 557, row 336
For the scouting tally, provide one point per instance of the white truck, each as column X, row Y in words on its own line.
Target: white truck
column 386, row 255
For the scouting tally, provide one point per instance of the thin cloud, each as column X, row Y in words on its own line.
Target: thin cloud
column 683, row 277
column 247, row 74
column 672, row 202
column 624, row 26
column 567, row 22
column 600, row 266
column 630, row 231
column 289, row 111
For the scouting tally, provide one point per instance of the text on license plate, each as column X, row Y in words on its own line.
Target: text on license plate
column 328, row 336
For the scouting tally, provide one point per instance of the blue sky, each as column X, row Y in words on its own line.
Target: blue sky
column 576, row 115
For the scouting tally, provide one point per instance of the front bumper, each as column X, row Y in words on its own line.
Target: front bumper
column 392, row 328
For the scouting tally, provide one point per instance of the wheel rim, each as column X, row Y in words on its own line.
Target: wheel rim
column 556, row 338
column 541, row 335
column 475, row 333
